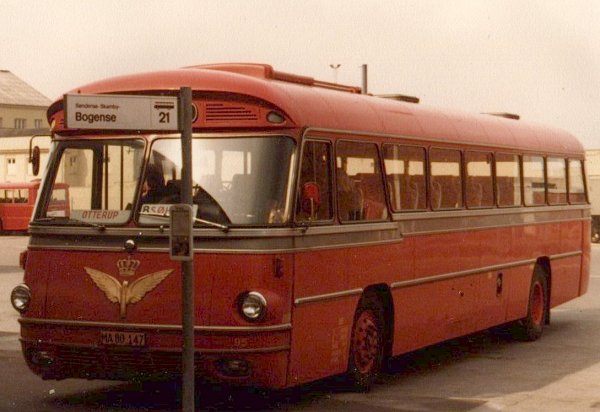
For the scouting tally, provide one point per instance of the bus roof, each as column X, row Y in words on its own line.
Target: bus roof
column 29, row 185
column 20, row 185
column 310, row 103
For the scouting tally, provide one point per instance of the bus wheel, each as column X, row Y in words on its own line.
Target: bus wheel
column 531, row 327
column 366, row 344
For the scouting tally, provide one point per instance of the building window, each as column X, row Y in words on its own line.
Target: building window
column 38, row 123
column 20, row 123
column 11, row 166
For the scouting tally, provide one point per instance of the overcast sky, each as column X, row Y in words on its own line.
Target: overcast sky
column 540, row 59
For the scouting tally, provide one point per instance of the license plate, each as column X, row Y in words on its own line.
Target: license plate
column 114, row 338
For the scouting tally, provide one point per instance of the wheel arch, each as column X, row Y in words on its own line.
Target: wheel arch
column 383, row 294
column 544, row 267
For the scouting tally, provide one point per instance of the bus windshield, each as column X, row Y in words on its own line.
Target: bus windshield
column 236, row 180
column 101, row 177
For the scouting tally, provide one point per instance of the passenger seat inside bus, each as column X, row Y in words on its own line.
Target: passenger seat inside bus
column 374, row 207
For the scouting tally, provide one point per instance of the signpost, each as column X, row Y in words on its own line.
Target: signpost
column 167, row 113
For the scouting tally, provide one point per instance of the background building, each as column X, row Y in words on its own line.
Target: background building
column 22, row 115
column 593, row 172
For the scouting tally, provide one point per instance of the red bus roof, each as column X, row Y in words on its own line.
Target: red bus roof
column 20, row 185
column 310, row 103
column 29, row 185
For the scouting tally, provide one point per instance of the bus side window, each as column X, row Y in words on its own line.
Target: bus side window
column 314, row 186
column 576, row 182
column 534, row 181
column 479, row 183
column 405, row 177
column 360, row 191
column 508, row 180
column 557, row 180
column 446, row 186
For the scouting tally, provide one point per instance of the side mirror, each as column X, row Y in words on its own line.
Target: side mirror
column 311, row 198
column 34, row 159
column 34, row 155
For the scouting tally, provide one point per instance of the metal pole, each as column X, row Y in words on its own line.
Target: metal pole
column 364, row 79
column 187, row 267
column 335, row 68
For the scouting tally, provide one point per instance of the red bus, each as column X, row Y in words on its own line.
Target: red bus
column 18, row 199
column 334, row 229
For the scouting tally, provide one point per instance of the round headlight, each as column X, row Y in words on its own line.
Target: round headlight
column 253, row 306
column 20, row 297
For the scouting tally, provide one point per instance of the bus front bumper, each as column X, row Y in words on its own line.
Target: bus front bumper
column 238, row 357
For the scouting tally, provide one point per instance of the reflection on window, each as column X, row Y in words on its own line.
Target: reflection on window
column 446, row 187
column 405, row 177
column 533, row 180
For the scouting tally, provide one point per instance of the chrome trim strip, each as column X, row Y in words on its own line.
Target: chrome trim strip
column 566, row 255
column 145, row 326
column 463, row 273
column 328, row 296
column 155, row 349
column 246, row 350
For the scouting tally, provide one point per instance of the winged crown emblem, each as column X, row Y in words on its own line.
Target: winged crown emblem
column 126, row 293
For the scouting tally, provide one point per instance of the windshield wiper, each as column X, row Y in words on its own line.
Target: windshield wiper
column 68, row 220
column 166, row 215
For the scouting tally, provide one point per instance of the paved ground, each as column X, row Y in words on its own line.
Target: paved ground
column 10, row 276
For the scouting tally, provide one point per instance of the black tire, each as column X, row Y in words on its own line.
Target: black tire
column 366, row 344
column 531, row 327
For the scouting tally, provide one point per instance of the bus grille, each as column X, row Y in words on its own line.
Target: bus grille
column 221, row 112
column 117, row 364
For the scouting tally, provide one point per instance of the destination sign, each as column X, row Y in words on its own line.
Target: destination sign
column 120, row 112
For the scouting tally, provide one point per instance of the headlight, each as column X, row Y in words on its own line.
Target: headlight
column 20, row 297
column 253, row 306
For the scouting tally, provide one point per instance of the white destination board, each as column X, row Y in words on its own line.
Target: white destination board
column 120, row 112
